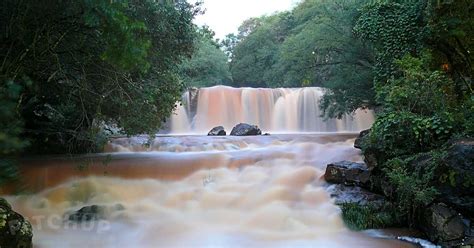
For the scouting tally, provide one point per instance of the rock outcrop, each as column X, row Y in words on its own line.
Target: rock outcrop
column 15, row 231
column 444, row 225
column 457, row 177
column 244, row 129
column 347, row 173
column 449, row 220
column 217, row 131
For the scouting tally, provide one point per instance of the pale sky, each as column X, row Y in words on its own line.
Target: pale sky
column 225, row 16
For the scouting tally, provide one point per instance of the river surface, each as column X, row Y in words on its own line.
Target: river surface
column 194, row 191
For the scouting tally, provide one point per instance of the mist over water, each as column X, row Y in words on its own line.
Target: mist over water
column 280, row 110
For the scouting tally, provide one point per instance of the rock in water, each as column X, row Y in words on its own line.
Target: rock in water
column 15, row 231
column 217, row 131
column 244, row 129
column 348, row 173
column 94, row 212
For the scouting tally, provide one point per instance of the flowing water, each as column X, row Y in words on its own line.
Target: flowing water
column 273, row 110
column 199, row 191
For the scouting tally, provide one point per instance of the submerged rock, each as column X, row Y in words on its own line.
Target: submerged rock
column 348, row 173
column 15, row 231
column 244, row 129
column 217, row 131
column 93, row 212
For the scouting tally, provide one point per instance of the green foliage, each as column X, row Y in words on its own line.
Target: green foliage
column 420, row 109
column 313, row 45
column 395, row 29
column 451, row 39
column 257, row 51
column 359, row 217
column 418, row 90
column 414, row 181
column 92, row 63
column 401, row 133
column 208, row 65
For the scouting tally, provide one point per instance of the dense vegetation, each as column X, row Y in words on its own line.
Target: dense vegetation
column 208, row 65
column 312, row 45
column 411, row 60
column 423, row 84
column 69, row 70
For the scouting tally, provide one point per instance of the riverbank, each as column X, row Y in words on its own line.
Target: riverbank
column 370, row 197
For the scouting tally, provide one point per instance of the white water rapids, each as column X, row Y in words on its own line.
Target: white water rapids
column 195, row 191
column 199, row 191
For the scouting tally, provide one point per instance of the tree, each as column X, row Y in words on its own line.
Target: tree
column 257, row 52
column 208, row 66
column 323, row 51
column 82, row 65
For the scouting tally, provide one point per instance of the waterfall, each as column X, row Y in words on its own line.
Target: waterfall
column 273, row 110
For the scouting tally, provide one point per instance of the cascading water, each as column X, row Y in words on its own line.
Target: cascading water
column 202, row 191
column 195, row 191
column 273, row 110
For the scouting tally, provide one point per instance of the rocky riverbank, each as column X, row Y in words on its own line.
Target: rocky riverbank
column 370, row 197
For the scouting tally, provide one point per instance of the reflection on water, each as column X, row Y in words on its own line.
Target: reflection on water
column 195, row 191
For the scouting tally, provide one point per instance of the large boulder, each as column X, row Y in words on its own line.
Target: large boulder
column 15, row 231
column 348, row 173
column 443, row 225
column 93, row 212
column 360, row 139
column 217, row 131
column 244, row 129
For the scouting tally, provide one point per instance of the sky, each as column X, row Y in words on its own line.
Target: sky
column 225, row 16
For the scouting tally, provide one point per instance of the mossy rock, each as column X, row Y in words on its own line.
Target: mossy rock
column 15, row 231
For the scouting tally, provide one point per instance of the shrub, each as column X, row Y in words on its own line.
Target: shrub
column 414, row 178
column 359, row 217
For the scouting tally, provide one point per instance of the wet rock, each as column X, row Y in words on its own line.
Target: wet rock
column 372, row 156
column 15, row 231
column 217, row 131
column 348, row 173
column 93, row 212
column 380, row 183
column 442, row 224
column 343, row 194
column 360, row 139
column 244, row 129
column 458, row 174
